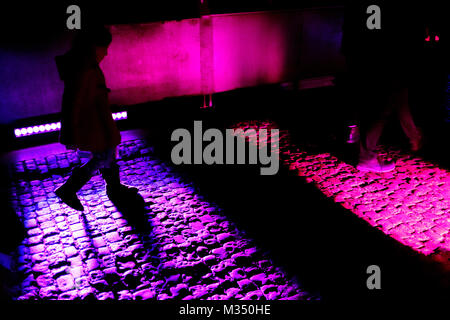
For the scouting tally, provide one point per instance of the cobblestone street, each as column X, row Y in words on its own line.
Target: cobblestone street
column 177, row 244
column 410, row 204
column 224, row 159
column 182, row 247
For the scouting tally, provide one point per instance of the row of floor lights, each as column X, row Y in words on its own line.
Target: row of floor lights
column 55, row 126
column 120, row 115
column 28, row 131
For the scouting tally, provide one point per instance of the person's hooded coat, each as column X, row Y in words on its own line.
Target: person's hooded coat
column 86, row 118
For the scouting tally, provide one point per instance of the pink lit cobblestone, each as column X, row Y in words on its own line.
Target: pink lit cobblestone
column 410, row 204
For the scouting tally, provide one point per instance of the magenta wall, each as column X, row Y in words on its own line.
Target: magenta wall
column 149, row 62
column 271, row 47
column 152, row 61
column 222, row 52
column 251, row 49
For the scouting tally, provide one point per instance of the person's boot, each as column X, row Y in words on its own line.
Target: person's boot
column 375, row 165
column 114, row 188
column 68, row 191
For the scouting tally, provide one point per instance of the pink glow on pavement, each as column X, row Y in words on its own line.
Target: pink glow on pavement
column 410, row 204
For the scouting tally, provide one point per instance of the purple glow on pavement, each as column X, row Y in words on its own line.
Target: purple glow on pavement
column 191, row 252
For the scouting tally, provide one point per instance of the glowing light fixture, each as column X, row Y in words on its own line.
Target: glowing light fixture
column 55, row 126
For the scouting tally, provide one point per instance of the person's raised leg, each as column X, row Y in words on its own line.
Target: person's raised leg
column 414, row 134
column 79, row 177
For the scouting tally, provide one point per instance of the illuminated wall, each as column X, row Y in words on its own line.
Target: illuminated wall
column 149, row 62
column 153, row 61
column 260, row 48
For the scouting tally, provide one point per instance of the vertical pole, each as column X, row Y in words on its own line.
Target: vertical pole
column 206, row 54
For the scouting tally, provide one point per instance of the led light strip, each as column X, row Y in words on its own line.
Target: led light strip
column 55, row 126
column 120, row 115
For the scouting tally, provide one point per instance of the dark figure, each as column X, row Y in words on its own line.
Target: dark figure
column 87, row 123
column 381, row 64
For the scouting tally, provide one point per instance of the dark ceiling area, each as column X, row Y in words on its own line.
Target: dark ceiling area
column 46, row 15
column 29, row 22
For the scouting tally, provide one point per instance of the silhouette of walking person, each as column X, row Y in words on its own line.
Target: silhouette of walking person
column 86, row 122
column 381, row 61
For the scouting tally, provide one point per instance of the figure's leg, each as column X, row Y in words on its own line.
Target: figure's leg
column 372, row 125
column 375, row 112
column 110, row 172
column 79, row 177
column 414, row 134
column 370, row 135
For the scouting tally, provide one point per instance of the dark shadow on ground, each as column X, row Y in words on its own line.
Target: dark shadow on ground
column 323, row 244
column 113, row 279
column 134, row 209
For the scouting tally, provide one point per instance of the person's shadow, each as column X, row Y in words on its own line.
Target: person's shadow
column 134, row 209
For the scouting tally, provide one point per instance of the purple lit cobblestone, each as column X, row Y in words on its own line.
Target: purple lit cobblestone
column 191, row 252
